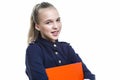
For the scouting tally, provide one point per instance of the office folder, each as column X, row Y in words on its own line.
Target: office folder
column 66, row 72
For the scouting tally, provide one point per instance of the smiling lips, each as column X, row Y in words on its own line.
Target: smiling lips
column 55, row 33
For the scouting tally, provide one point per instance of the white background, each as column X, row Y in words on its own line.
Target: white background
column 92, row 27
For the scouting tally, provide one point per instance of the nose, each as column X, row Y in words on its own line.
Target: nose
column 55, row 25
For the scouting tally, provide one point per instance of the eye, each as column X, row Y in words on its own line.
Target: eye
column 58, row 20
column 48, row 22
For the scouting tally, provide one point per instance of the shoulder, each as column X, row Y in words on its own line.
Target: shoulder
column 65, row 44
column 33, row 48
column 33, row 52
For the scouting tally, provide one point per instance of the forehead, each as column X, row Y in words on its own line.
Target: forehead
column 48, row 13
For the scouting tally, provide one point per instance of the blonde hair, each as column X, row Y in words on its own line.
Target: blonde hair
column 33, row 33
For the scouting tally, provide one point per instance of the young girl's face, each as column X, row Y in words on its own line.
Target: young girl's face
column 49, row 24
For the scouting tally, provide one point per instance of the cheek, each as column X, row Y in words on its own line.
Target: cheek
column 43, row 30
column 60, row 26
column 47, row 29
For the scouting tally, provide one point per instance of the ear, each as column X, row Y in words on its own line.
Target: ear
column 37, row 27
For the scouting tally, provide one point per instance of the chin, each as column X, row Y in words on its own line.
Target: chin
column 55, row 38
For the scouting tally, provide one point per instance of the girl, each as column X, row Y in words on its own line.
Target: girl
column 44, row 49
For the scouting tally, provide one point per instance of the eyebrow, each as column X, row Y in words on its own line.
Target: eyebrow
column 58, row 18
column 51, row 19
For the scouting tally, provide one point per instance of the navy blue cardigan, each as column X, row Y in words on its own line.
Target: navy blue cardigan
column 43, row 54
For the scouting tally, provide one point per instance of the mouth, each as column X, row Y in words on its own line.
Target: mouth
column 55, row 33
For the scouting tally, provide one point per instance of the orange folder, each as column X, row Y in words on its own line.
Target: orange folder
column 66, row 72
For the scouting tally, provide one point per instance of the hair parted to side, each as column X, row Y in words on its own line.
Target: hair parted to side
column 33, row 33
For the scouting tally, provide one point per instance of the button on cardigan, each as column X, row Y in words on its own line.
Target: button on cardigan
column 42, row 54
